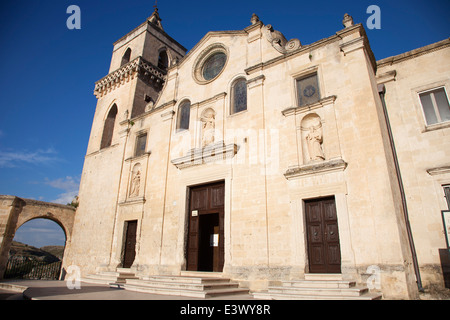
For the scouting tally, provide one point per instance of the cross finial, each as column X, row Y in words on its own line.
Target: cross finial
column 156, row 5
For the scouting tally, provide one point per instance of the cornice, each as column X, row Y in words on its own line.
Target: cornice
column 321, row 103
column 414, row 53
column 139, row 66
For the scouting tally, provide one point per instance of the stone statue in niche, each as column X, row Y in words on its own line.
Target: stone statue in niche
column 208, row 126
column 135, row 184
column 314, row 140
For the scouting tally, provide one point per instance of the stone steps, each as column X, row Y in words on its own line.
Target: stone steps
column 188, row 286
column 110, row 277
column 318, row 287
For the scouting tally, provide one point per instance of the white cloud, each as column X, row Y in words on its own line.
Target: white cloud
column 69, row 184
column 15, row 158
column 65, row 198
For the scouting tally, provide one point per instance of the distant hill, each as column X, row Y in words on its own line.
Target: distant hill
column 57, row 251
column 46, row 254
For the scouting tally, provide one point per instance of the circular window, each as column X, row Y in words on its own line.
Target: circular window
column 210, row 63
column 214, row 65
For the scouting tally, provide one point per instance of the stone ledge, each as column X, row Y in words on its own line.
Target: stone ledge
column 315, row 168
column 210, row 153
column 438, row 170
column 321, row 103
column 133, row 200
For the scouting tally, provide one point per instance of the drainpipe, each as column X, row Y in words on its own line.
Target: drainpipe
column 381, row 92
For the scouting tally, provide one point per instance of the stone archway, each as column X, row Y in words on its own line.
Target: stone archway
column 15, row 211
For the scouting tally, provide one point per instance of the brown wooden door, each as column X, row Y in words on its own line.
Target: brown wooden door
column 205, row 243
column 130, row 244
column 323, row 236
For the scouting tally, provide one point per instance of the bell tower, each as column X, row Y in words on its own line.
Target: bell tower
column 136, row 78
column 140, row 59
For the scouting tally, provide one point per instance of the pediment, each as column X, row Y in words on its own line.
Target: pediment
column 204, row 42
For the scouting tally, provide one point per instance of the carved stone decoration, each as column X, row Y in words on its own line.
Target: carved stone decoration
column 312, row 137
column 208, row 120
column 140, row 67
column 347, row 21
column 135, row 181
column 279, row 42
column 254, row 19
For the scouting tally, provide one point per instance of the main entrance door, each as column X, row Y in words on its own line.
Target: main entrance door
column 205, row 245
column 323, row 236
column 130, row 244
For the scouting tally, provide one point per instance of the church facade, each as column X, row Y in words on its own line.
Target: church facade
column 265, row 160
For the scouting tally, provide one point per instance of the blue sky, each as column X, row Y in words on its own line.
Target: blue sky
column 48, row 71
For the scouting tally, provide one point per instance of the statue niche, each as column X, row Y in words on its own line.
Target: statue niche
column 312, row 138
column 135, row 181
column 208, row 120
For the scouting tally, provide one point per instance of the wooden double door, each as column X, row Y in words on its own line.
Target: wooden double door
column 205, row 243
column 322, row 231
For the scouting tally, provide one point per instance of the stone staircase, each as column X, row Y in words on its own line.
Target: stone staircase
column 318, row 287
column 114, row 278
column 188, row 284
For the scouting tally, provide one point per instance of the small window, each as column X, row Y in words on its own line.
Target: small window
column 141, row 142
column 239, row 96
column 126, row 57
column 447, row 195
column 184, row 111
column 163, row 60
column 435, row 106
column 108, row 128
column 308, row 90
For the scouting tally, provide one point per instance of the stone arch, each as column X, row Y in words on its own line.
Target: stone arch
column 126, row 57
column 14, row 212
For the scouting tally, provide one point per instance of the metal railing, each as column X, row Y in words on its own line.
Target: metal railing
column 31, row 269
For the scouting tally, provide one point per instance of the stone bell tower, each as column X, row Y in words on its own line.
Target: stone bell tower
column 145, row 53
column 136, row 78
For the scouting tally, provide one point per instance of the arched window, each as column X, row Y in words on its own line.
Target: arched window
column 184, row 111
column 126, row 57
column 239, row 96
column 163, row 60
column 108, row 128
